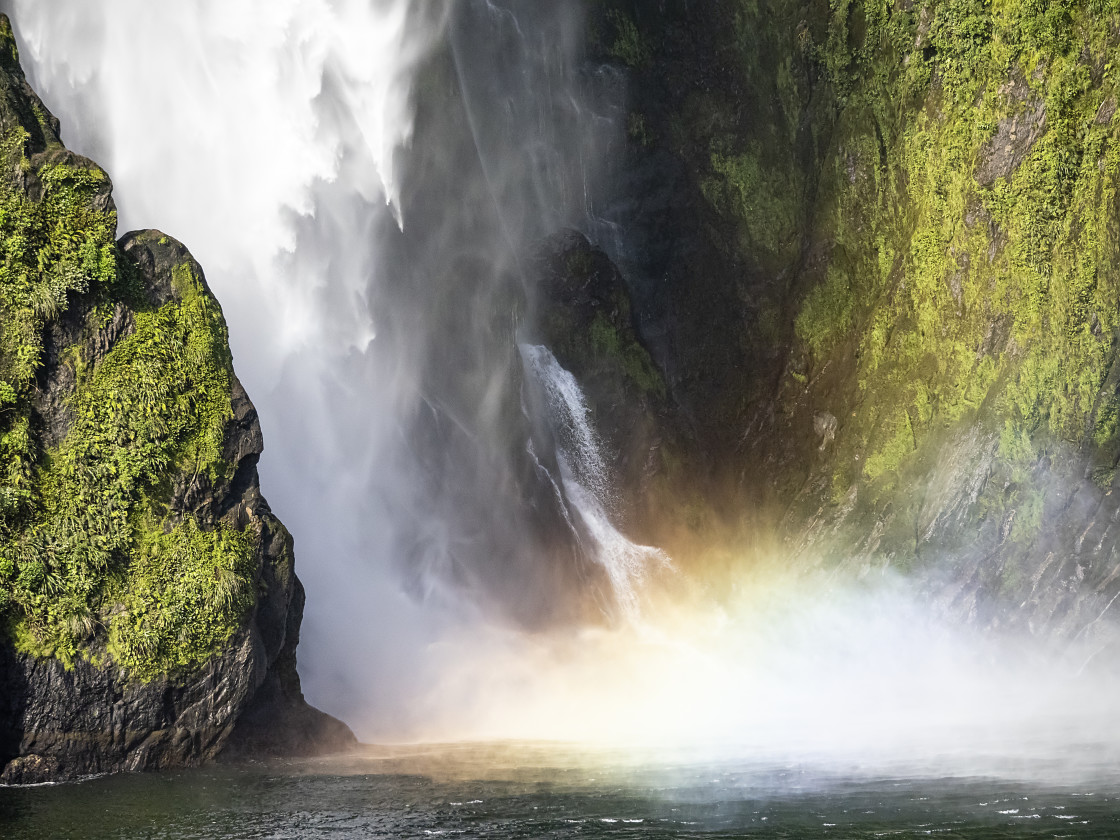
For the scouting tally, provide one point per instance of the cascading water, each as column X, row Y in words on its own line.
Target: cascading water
column 362, row 182
column 586, row 481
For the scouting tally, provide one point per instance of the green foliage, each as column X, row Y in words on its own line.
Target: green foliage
column 897, row 444
column 635, row 361
column 50, row 249
column 764, row 198
column 88, row 551
column 629, row 47
column 962, row 35
column 637, row 130
column 91, row 557
column 182, row 594
column 826, row 314
column 998, row 303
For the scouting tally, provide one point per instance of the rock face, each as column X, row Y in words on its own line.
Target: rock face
column 872, row 253
column 587, row 321
column 148, row 593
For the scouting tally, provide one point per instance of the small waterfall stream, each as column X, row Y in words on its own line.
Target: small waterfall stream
column 586, row 481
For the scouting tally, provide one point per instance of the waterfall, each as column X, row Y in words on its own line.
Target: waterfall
column 233, row 126
column 361, row 181
column 586, row 481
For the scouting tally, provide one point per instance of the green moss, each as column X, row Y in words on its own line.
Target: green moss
column 637, row 130
column 154, row 408
column 629, row 46
column 49, row 249
column 91, row 556
column 994, row 303
column 181, row 595
column 826, row 314
column 633, row 358
column 1107, row 423
column 898, row 442
column 9, row 53
column 765, row 199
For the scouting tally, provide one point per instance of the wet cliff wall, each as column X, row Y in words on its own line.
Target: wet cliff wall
column 873, row 252
column 148, row 598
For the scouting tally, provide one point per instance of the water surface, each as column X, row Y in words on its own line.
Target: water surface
column 551, row 791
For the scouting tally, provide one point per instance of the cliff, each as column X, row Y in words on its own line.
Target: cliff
column 147, row 594
column 866, row 319
column 872, row 252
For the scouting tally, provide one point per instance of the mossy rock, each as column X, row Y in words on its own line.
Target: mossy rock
column 147, row 593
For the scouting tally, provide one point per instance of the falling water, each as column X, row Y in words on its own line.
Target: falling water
column 233, row 125
column 586, row 481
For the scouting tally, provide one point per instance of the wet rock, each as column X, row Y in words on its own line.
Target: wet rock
column 587, row 321
column 63, row 721
column 1015, row 135
column 825, row 425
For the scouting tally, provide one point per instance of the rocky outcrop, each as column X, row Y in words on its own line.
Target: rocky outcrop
column 1015, row 135
column 587, row 321
column 148, row 593
column 882, row 292
column 95, row 717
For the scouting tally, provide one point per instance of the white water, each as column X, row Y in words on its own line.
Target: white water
column 587, row 482
column 233, row 124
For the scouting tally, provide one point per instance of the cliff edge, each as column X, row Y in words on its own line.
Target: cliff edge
column 149, row 608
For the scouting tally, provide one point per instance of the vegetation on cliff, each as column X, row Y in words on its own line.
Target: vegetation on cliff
column 891, row 299
column 970, row 202
column 110, row 396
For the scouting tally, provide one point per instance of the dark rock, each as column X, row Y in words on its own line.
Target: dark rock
column 1106, row 112
column 493, row 520
column 63, row 721
column 588, row 322
column 20, row 106
column 90, row 719
column 279, row 721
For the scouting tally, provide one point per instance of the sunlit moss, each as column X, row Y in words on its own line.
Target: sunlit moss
column 970, row 295
column 826, row 314
column 93, row 560
column 182, row 594
column 764, row 199
column 632, row 357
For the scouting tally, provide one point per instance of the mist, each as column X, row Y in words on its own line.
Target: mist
column 363, row 184
column 372, row 321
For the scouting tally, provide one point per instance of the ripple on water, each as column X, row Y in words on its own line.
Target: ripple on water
column 528, row 791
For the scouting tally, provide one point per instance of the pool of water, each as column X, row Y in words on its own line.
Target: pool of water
column 553, row 791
